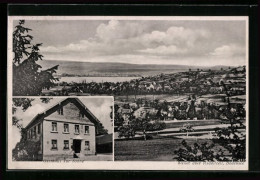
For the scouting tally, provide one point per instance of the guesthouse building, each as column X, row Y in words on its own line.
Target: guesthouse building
column 65, row 130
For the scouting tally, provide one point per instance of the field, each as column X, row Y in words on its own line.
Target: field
column 161, row 97
column 151, row 150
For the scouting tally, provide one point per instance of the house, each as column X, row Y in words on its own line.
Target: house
column 167, row 88
column 216, row 89
column 65, row 130
column 150, row 87
column 184, row 78
column 203, row 72
column 193, row 88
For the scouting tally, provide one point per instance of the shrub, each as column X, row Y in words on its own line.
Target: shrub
column 26, row 151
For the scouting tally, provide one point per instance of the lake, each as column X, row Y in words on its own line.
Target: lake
column 96, row 79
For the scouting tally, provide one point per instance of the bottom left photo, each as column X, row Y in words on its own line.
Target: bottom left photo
column 60, row 128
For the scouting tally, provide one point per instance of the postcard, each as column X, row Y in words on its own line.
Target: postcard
column 128, row 92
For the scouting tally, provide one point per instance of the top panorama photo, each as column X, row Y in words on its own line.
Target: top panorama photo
column 127, row 58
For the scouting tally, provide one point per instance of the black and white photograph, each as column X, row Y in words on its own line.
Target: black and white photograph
column 179, row 88
column 62, row 129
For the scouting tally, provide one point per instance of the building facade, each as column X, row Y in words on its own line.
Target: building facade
column 66, row 130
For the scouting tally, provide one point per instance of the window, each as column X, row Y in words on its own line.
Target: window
column 39, row 128
column 34, row 131
column 77, row 129
column 87, row 145
column 54, row 144
column 86, row 129
column 54, row 127
column 66, row 144
column 81, row 114
column 28, row 134
column 60, row 111
column 66, row 128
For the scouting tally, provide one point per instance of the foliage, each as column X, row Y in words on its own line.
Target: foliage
column 101, row 130
column 140, row 124
column 24, row 103
column 26, row 150
column 46, row 100
column 203, row 152
column 126, row 131
column 187, row 127
column 230, row 138
column 118, row 119
column 28, row 79
column 156, row 126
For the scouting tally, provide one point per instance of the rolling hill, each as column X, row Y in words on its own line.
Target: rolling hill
column 116, row 69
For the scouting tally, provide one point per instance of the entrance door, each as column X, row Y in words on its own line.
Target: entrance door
column 77, row 145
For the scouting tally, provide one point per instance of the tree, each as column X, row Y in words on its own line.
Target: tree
column 196, row 152
column 101, row 130
column 24, row 103
column 28, row 79
column 230, row 138
column 26, row 150
column 126, row 131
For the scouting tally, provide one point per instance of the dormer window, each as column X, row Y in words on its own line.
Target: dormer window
column 60, row 111
column 81, row 114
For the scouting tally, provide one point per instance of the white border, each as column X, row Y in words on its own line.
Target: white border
column 122, row 165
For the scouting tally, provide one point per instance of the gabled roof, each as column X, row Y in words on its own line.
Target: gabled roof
column 52, row 109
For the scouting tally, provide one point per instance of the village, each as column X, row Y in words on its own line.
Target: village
column 208, row 101
column 193, row 81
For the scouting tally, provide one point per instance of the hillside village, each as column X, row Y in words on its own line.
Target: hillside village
column 198, row 81
column 202, row 95
column 193, row 81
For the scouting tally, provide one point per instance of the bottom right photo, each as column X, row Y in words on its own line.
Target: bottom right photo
column 180, row 128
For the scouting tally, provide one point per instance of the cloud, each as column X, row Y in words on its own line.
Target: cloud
column 51, row 49
column 229, row 50
column 118, row 30
column 116, row 38
column 134, row 42
column 178, row 36
column 165, row 50
column 101, row 108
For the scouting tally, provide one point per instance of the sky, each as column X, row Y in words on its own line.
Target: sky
column 182, row 42
column 100, row 107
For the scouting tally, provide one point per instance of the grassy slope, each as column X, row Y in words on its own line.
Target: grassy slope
column 150, row 150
